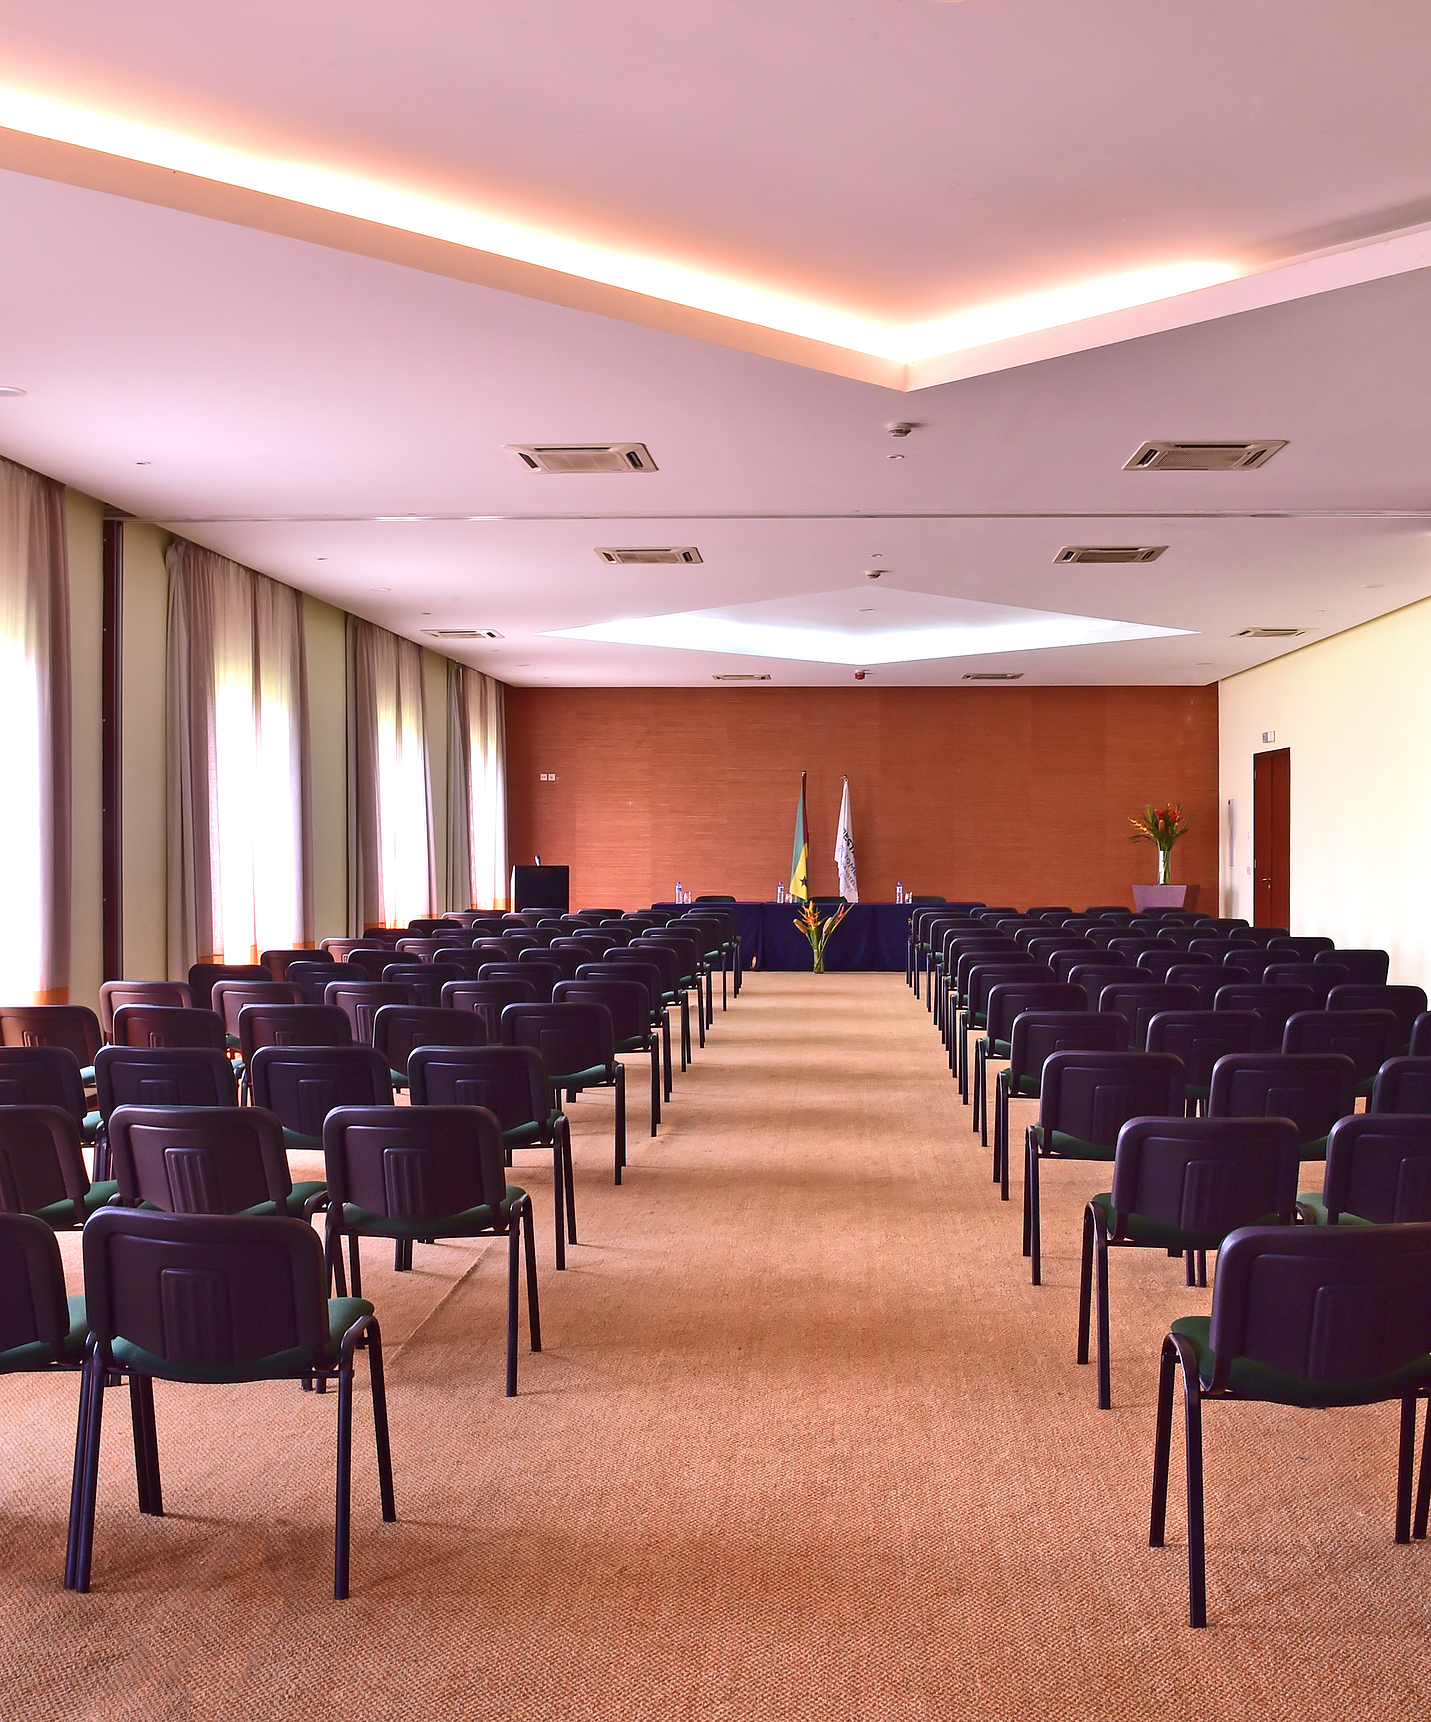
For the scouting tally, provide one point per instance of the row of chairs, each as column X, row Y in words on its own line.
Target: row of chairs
column 1206, row 1129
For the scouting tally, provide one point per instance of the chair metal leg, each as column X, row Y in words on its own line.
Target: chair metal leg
column 534, row 1317
column 1085, row 1285
column 1031, row 1202
column 513, row 1244
column 1028, row 1229
column 559, row 1201
column 685, row 1030
column 1405, row 1463
column 77, row 1476
column 373, row 1341
column 1004, row 1143
column 1100, row 1263
column 146, row 1447
column 1192, row 1441
column 564, row 1131
column 1423, row 1482
column 620, row 1133
column 655, row 1084
column 89, row 1482
column 1162, row 1444
column 666, row 1052
column 1202, row 1267
column 355, row 1266
column 998, row 1113
column 343, row 1504
column 700, row 1015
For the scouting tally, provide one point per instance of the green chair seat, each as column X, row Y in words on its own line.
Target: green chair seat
column 277, row 1366
column 532, row 1132
column 1315, row 1150
column 399, row 1078
column 593, row 1074
column 1315, row 1212
column 297, row 1143
column 89, row 1125
column 1022, row 1087
column 467, row 1224
column 1140, row 1230
column 1256, row 1381
column 61, row 1215
column 1075, row 1148
column 36, row 1356
column 87, row 1073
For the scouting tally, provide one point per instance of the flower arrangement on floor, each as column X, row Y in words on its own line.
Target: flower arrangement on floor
column 817, row 931
column 1160, row 826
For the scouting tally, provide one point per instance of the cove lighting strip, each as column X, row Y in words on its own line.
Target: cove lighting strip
column 348, row 194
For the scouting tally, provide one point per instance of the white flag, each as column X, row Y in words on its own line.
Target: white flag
column 845, row 851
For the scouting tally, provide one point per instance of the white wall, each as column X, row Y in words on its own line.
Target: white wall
column 1355, row 711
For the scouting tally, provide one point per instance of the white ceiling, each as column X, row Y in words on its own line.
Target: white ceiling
column 899, row 157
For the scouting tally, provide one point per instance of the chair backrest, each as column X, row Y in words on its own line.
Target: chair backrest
column 33, row 1308
column 463, row 959
column 1007, row 1000
column 1404, row 1003
column 1157, row 961
column 202, row 977
column 513, row 943
column 1130, row 946
column 1043, row 947
column 1037, row 1034
column 1379, row 1168
column 1402, row 1085
column 1201, row 1037
column 1335, row 1306
column 1365, row 968
column 983, row 977
column 542, row 976
column 1313, row 1089
column 510, row 1081
column 276, row 962
column 426, row 979
column 570, row 1037
column 40, row 1161
column 1007, row 956
column 1319, row 977
column 199, row 1159
column 415, row 1162
column 1207, row 977
column 1367, row 1037
column 42, row 1076
column 113, row 994
column 1063, row 963
column 1206, row 1176
column 1141, row 1002
column 205, row 1294
column 665, row 959
column 627, row 1000
column 619, row 965
column 167, row 1025
column 398, row 1028
column 1217, row 947
column 1256, row 962
column 370, row 960
column 1306, row 947
column 162, row 1076
column 74, row 1026
column 291, row 1025
column 302, row 1084
column 1272, row 1004
column 1094, row 977
column 688, row 951
column 341, row 949
column 360, row 1002
column 428, row 926
column 1092, row 1095
column 230, row 997
column 560, row 957
column 423, row 950
column 487, row 1000
column 314, row 979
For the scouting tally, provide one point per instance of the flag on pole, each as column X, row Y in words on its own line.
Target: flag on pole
column 800, row 855
column 845, row 851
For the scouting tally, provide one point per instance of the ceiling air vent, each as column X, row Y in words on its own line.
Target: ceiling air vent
column 642, row 557
column 462, row 633
column 740, row 678
column 1204, row 456
column 994, row 676
column 1268, row 633
column 1110, row 553
column 583, row 457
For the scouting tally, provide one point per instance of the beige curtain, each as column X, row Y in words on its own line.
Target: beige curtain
column 392, row 800
column 240, row 847
column 35, row 726
column 476, row 790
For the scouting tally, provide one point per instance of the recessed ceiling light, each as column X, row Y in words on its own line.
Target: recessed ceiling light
column 9, row 389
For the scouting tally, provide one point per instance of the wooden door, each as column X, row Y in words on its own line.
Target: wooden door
column 1271, row 837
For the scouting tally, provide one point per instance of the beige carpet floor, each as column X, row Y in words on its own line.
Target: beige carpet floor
column 803, row 1442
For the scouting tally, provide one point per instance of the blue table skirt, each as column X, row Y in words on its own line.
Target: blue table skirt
column 871, row 936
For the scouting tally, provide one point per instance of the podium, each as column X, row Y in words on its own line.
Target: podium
column 541, row 888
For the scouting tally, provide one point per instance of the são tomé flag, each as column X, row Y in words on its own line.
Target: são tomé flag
column 800, row 855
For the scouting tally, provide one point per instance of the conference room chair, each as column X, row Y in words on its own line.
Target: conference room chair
column 415, row 1174
column 1307, row 947
column 1139, row 1000
column 314, row 979
column 692, row 974
column 514, row 943
column 1042, row 911
column 535, row 971
column 1367, row 1037
column 943, row 996
column 465, row 960
column 157, row 1076
column 424, row 950
column 491, row 951
column 998, row 912
column 204, row 976
column 577, row 1043
column 1219, row 949
column 276, row 962
column 1006, row 1001
column 167, row 1025
column 1207, row 979
column 1265, row 935
column 594, row 946
column 425, row 979
column 398, row 1028
column 385, row 936
column 1085, row 1099
column 341, row 949
column 1273, row 1005
column 360, row 1002
column 425, row 926
column 1044, row 944
column 1228, row 924
column 1258, row 963
column 301, row 1085
column 1183, row 1185
column 1091, row 956
column 1320, row 978
column 113, row 994
column 1313, row 1089
column 1270, row 1340
column 1402, row 1085
column 206, row 1160
column 1419, row 1045
column 1378, row 1173
column 42, row 1170
column 511, row 1082
column 619, row 965
column 1158, row 961
column 1130, row 949
column 975, row 983
column 717, row 951
column 72, row 1026
column 629, row 1004
column 302, row 1025
column 1404, row 1003
column 1177, row 938
column 1365, row 968
column 230, row 997
column 46, row 1076
column 487, row 999
column 674, row 991
column 488, row 927
column 1035, row 1036
column 371, row 960
column 268, row 1277
column 1199, row 1037
column 557, row 956
column 1093, row 977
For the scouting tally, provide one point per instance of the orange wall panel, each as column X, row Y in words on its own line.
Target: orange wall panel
column 1012, row 795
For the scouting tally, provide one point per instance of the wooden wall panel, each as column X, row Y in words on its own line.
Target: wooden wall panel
column 1018, row 795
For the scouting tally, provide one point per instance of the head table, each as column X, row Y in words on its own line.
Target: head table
column 871, row 936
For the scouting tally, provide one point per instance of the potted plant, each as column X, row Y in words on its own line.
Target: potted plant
column 1160, row 826
column 817, row 931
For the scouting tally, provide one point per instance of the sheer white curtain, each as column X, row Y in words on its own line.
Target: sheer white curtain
column 397, row 871
column 240, row 852
column 476, row 790
column 35, row 727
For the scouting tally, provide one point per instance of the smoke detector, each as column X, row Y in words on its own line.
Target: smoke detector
column 1204, row 456
column 582, row 457
column 462, row 633
column 994, row 676
column 643, row 557
column 1268, row 633
column 740, row 678
column 1110, row 553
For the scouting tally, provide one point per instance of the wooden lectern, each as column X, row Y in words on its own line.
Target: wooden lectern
column 541, row 888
